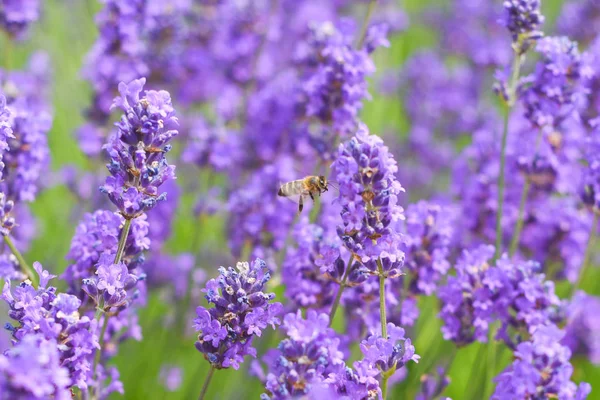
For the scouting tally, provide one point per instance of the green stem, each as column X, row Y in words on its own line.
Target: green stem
column 338, row 296
column 514, row 245
column 25, row 268
column 101, row 343
column 588, row 252
column 365, row 26
column 384, row 386
column 382, row 301
column 501, row 184
column 211, row 371
column 122, row 241
column 511, row 89
column 100, row 308
column 520, row 219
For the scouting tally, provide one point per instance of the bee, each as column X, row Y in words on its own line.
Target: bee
column 308, row 186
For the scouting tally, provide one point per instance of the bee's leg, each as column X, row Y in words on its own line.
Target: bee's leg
column 311, row 196
column 300, row 204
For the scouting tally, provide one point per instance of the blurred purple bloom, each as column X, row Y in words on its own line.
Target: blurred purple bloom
column 33, row 370
column 17, row 15
column 541, row 369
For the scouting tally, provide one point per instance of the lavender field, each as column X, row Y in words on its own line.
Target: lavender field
column 300, row 199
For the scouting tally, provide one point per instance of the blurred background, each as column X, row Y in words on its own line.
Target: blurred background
column 165, row 364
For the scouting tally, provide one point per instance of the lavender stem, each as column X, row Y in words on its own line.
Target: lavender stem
column 122, row 241
column 338, row 296
column 382, row 300
column 365, row 26
column 520, row 220
column 100, row 309
column 588, row 252
column 26, row 268
column 501, row 176
column 211, row 371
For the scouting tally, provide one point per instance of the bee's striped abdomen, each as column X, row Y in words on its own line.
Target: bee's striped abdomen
column 292, row 188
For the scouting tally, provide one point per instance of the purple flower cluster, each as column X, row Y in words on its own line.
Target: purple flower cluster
column 335, row 84
column 590, row 188
column 309, row 362
column 113, row 285
column 17, row 15
column 30, row 120
column 97, row 235
column 554, row 90
column 582, row 326
column 365, row 172
column 391, row 353
column 5, row 130
column 138, row 166
column 33, row 370
column 516, row 294
column 241, row 311
column 310, row 270
column 523, row 19
column 428, row 236
column 541, row 370
column 578, row 20
column 54, row 316
column 259, row 220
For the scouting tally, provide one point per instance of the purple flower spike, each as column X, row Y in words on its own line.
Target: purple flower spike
column 523, row 19
column 391, row 353
column 138, row 165
column 365, row 172
column 33, row 370
column 541, row 370
column 309, row 363
column 17, row 15
column 113, row 283
column 55, row 317
column 241, row 311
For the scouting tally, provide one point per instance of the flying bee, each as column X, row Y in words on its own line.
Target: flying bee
column 308, row 186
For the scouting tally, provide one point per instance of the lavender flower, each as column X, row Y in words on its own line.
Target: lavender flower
column 304, row 359
column 516, row 294
column 56, row 317
column 364, row 171
column 258, row 219
column 242, row 310
column 429, row 233
column 391, row 353
column 335, row 82
column 541, row 370
column 590, row 186
column 113, row 285
column 578, row 20
column 17, row 15
column 582, row 327
column 523, row 19
column 6, row 132
column 310, row 363
column 98, row 234
column 138, row 165
column 30, row 120
column 308, row 268
column 555, row 89
column 170, row 377
column 33, row 370
column 432, row 386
